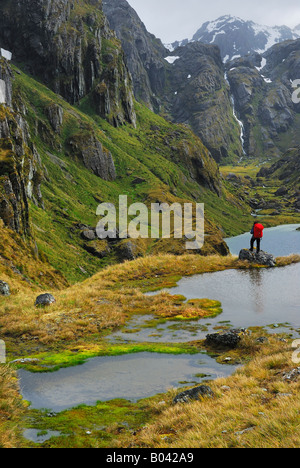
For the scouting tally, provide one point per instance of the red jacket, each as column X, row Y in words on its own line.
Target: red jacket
column 258, row 231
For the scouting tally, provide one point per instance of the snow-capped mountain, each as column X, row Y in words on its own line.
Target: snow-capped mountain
column 236, row 37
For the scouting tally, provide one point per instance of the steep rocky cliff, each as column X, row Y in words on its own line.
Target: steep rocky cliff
column 59, row 160
column 198, row 95
column 247, row 112
column 144, row 52
column 187, row 85
column 20, row 164
column 69, row 46
column 263, row 93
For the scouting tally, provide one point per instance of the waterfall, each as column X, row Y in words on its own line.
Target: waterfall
column 241, row 125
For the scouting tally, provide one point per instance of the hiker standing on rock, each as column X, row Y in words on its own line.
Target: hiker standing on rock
column 257, row 235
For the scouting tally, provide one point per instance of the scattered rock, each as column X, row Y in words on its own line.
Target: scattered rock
column 24, row 361
column 4, row 289
column 88, row 234
column 225, row 388
column 262, row 339
column 281, row 191
column 261, row 258
column 292, row 376
column 194, row 394
column 229, row 339
column 249, row 429
column 44, row 300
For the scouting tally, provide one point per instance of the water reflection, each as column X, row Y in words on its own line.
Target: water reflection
column 130, row 377
column 257, row 285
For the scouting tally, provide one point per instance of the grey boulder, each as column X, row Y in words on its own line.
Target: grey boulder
column 4, row 289
column 229, row 339
column 44, row 300
column 261, row 258
column 194, row 394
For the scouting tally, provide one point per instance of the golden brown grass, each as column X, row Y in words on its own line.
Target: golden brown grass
column 107, row 299
column 254, row 402
column 21, row 266
column 11, row 409
column 289, row 260
column 254, row 408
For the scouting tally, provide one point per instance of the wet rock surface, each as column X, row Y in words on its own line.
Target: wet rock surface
column 229, row 339
column 261, row 258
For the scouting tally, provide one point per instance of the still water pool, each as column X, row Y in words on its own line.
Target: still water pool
column 249, row 298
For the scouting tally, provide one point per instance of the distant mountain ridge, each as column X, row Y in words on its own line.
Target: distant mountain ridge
column 236, row 37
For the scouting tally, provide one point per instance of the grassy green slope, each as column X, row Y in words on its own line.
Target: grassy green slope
column 71, row 192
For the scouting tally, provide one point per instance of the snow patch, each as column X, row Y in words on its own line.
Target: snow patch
column 171, row 59
column 267, row 80
column 262, row 65
column 216, row 34
column 2, row 92
column 169, row 47
column 5, row 54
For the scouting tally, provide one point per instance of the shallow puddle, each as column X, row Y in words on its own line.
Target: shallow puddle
column 130, row 377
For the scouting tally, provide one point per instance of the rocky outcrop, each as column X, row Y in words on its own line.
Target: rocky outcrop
column 88, row 149
column 199, row 96
column 195, row 394
column 69, row 46
column 4, row 289
column 263, row 96
column 261, row 258
column 229, row 339
column 144, row 53
column 55, row 115
column 20, row 164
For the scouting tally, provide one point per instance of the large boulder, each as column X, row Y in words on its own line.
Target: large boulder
column 44, row 300
column 4, row 289
column 261, row 258
column 229, row 339
column 194, row 394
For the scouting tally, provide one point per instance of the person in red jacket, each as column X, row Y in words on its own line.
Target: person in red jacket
column 257, row 235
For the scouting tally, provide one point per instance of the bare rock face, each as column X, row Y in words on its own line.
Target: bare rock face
column 90, row 151
column 20, row 164
column 66, row 44
column 144, row 53
column 55, row 116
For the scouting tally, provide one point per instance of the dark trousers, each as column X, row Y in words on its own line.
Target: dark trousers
column 253, row 240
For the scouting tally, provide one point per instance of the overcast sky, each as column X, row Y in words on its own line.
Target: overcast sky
column 172, row 20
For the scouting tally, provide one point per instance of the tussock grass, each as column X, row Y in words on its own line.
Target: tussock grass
column 11, row 409
column 254, row 408
column 108, row 299
column 289, row 260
